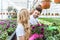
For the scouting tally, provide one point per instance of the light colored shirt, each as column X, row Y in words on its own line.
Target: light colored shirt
column 33, row 21
column 20, row 31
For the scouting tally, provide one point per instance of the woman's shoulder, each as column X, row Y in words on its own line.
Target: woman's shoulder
column 19, row 25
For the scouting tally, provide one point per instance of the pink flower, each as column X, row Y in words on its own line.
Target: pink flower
column 40, row 35
column 13, row 25
column 34, row 36
column 2, row 23
column 38, row 24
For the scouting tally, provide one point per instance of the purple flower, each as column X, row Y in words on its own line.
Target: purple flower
column 38, row 24
column 40, row 35
column 8, row 25
column 13, row 25
column 42, row 30
column 14, row 20
column 33, row 27
column 42, row 24
column 2, row 23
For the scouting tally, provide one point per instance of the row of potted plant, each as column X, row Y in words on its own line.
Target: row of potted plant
column 7, row 28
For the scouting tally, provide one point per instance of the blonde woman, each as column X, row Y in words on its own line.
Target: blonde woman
column 23, row 27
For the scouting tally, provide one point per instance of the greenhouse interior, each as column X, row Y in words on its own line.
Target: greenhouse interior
column 43, row 16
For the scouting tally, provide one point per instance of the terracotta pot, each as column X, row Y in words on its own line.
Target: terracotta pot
column 0, row 13
column 43, row 14
column 52, row 14
column 7, row 13
column 45, row 5
column 48, row 14
column 56, row 14
column 3, row 13
column 57, row 1
column 46, row 0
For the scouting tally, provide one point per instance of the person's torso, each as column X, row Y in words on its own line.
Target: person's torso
column 33, row 20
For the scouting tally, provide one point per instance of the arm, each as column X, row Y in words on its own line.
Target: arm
column 20, row 32
column 21, row 37
column 38, row 22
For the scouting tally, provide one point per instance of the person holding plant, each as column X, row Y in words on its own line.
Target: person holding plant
column 35, row 15
column 23, row 27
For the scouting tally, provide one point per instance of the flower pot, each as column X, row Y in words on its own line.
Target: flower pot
column 57, row 1
column 46, row 0
column 52, row 14
column 45, row 5
column 7, row 13
column 9, row 33
column 48, row 14
column 56, row 14
column 43, row 14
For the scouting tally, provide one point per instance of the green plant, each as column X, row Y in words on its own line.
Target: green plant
column 4, row 35
column 10, row 31
column 57, row 36
column 50, row 38
column 9, row 8
column 0, row 27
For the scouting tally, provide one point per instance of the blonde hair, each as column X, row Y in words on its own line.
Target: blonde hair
column 23, row 18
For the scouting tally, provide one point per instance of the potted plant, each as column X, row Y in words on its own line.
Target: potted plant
column 45, row 5
column 48, row 14
column 56, row 14
column 3, row 35
column 57, row 1
column 46, row 0
column 37, row 32
column 10, row 31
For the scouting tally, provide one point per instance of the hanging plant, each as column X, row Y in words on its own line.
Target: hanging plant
column 45, row 5
column 57, row 1
column 46, row 0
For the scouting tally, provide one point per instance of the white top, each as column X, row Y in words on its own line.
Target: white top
column 33, row 21
column 20, row 30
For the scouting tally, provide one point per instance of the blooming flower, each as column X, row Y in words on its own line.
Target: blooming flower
column 1, row 23
column 42, row 24
column 8, row 25
column 42, row 30
column 33, row 27
column 38, row 24
column 13, row 25
column 34, row 36
column 40, row 35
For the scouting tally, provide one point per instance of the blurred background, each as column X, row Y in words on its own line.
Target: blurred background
column 9, row 6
